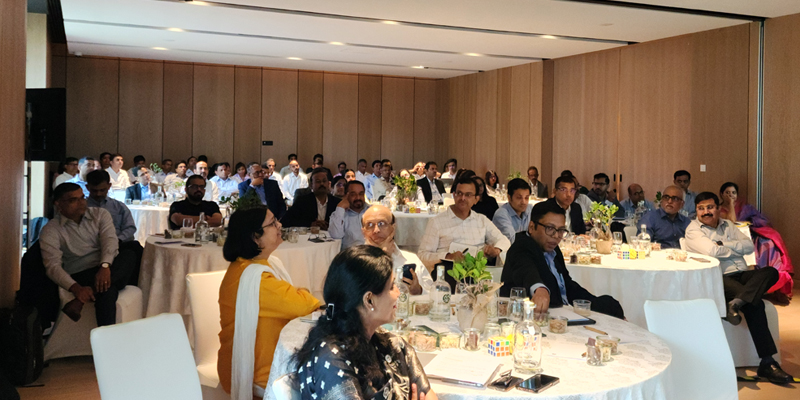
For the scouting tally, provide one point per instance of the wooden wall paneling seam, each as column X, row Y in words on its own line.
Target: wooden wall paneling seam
column 178, row 111
column 92, row 106
column 309, row 114
column 141, row 108
column 546, row 173
column 753, row 108
column 424, row 120
column 370, row 111
column 397, row 121
column 502, row 159
column 340, row 120
column 247, row 115
column 486, row 123
column 213, row 112
column 279, row 116
column 520, row 118
column 535, row 131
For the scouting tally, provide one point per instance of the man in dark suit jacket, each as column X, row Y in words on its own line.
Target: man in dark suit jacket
column 306, row 210
column 267, row 190
column 425, row 187
column 535, row 262
column 564, row 197
column 134, row 192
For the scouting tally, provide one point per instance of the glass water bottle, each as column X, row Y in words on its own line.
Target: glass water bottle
column 202, row 230
column 440, row 294
column 528, row 343
column 404, row 300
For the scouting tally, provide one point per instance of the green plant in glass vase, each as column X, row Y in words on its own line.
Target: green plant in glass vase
column 600, row 216
column 514, row 175
column 406, row 189
column 477, row 290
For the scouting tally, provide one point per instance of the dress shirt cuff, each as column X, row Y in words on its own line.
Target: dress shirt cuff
column 537, row 286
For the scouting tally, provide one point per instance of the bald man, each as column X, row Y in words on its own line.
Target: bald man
column 636, row 196
column 667, row 225
column 379, row 225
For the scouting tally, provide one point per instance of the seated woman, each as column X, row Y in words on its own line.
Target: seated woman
column 492, row 182
column 486, row 204
column 256, row 300
column 347, row 355
column 770, row 248
column 337, row 187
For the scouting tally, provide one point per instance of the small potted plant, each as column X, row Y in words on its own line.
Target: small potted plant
column 477, row 290
column 406, row 189
column 514, row 175
column 600, row 215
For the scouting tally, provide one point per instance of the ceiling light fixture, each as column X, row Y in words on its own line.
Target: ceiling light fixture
column 175, row 30
column 159, row 48
column 294, row 58
column 198, row 3
column 548, row 37
column 472, row 54
column 390, row 22
column 419, row 67
column 336, row 43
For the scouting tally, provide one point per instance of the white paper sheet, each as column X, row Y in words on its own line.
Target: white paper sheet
column 566, row 312
column 472, row 250
column 462, row 367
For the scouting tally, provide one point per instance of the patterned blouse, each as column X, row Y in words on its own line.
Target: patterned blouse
column 331, row 376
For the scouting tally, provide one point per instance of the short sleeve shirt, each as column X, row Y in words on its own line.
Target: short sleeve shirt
column 186, row 208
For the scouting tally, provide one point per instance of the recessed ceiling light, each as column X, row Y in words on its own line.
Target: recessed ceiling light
column 548, row 37
column 419, row 67
column 159, row 48
column 390, row 22
column 198, row 3
column 336, row 43
column 472, row 54
column 294, row 58
column 175, row 30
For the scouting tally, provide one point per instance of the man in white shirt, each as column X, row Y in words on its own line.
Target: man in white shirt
column 166, row 170
column 271, row 174
column 382, row 186
column 450, row 168
column 345, row 222
column 418, row 172
column 361, row 172
column 375, row 175
column 212, row 191
column 460, row 226
column 172, row 181
column 70, row 170
column 285, row 170
column 710, row 235
column 378, row 226
column 226, row 186
column 119, row 178
column 292, row 181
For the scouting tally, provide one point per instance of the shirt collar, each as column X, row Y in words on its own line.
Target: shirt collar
column 62, row 220
column 664, row 215
column 722, row 224
column 451, row 214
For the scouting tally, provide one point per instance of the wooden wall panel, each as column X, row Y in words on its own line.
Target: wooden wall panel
column 546, row 170
column 520, row 126
column 753, row 170
column 397, row 122
column 340, row 120
column 535, row 124
column 212, row 132
column 247, row 115
column 309, row 118
column 92, row 106
column 141, row 106
column 443, row 145
column 781, row 135
column 178, row 105
column 278, row 115
column 369, row 118
column 424, row 120
column 486, row 122
column 502, row 159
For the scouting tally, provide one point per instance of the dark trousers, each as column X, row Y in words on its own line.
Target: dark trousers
column 137, row 250
column 749, row 286
column 607, row 305
column 106, row 303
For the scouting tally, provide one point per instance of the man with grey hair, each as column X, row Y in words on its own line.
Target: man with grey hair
column 267, row 190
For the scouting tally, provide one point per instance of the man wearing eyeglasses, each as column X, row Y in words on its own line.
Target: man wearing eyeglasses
column 565, row 192
column 712, row 236
column 683, row 179
column 460, row 225
column 267, row 190
column 535, row 262
column 667, row 225
column 193, row 205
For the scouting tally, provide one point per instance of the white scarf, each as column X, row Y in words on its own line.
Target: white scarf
column 246, row 324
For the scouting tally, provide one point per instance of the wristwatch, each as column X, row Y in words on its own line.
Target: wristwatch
column 105, row 264
column 719, row 242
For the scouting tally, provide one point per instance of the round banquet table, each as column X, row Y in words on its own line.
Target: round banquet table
column 639, row 372
column 149, row 220
column 632, row 282
column 410, row 228
column 164, row 268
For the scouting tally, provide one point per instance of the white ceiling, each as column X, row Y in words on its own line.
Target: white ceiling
column 438, row 35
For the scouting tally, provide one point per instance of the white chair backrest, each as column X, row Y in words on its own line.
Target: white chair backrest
column 282, row 389
column 630, row 232
column 682, row 241
column 204, row 298
column 702, row 366
column 145, row 359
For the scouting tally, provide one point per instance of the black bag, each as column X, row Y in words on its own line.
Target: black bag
column 21, row 346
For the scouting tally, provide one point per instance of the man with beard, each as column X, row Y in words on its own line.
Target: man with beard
column 193, row 205
column 315, row 208
column 345, row 222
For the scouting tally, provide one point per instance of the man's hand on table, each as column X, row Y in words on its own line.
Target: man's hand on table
column 541, row 297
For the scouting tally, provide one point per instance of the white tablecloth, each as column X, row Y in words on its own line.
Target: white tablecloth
column 632, row 282
column 639, row 372
column 410, row 228
column 149, row 220
column 164, row 268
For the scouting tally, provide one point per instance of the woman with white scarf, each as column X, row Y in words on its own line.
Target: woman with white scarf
column 256, row 300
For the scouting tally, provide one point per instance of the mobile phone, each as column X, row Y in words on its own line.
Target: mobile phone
column 505, row 383
column 537, row 383
column 407, row 270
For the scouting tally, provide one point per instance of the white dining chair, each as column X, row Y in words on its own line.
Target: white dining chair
column 145, row 359
column 702, row 366
column 282, row 389
column 630, row 233
column 203, row 291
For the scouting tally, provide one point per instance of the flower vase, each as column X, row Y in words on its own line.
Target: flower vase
column 470, row 317
column 604, row 246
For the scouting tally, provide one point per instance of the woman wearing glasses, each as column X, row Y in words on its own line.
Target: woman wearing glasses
column 535, row 263
column 256, row 300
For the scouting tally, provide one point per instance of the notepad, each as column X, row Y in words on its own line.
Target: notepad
column 462, row 367
column 572, row 316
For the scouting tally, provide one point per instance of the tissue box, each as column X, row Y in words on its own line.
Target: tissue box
column 499, row 346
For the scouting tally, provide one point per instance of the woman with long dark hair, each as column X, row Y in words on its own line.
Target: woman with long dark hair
column 347, row 355
column 240, row 174
column 486, row 204
column 256, row 300
column 492, row 182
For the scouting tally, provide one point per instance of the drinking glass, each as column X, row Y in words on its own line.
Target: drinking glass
column 517, row 310
column 517, row 293
column 187, row 223
column 617, row 238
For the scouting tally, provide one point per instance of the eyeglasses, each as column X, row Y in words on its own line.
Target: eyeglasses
column 567, row 190
column 272, row 224
column 467, row 195
column 552, row 231
column 203, row 187
column 667, row 198
column 380, row 224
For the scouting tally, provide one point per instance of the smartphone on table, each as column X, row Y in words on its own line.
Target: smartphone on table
column 538, row 383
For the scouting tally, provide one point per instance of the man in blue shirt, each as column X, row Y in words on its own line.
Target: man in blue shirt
column 514, row 216
column 85, row 165
column 636, row 196
column 535, row 262
column 345, row 222
column 140, row 190
column 667, row 225
column 683, row 179
column 370, row 180
column 267, row 190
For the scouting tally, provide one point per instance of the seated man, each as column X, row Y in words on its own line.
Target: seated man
column 683, row 179
column 361, row 171
column 538, row 189
column 565, row 192
column 140, row 190
column 428, row 187
column 292, row 181
column 460, row 225
column 133, row 172
column 535, row 262
column 369, row 180
column 379, row 225
column 269, row 166
column 119, row 177
column 81, row 254
column 85, row 165
column 382, row 186
column 315, row 208
column 180, row 175
column 601, row 194
column 514, row 216
column 285, row 170
column 636, row 196
column 193, row 205
column 71, row 168
column 267, row 190
column 667, row 225
column 345, row 222
column 212, row 191
column 710, row 235
column 226, row 185
column 166, row 169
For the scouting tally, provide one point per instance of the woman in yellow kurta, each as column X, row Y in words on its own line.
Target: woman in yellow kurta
column 252, row 236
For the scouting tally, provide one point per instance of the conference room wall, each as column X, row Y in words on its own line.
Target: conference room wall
column 164, row 109
column 781, row 137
